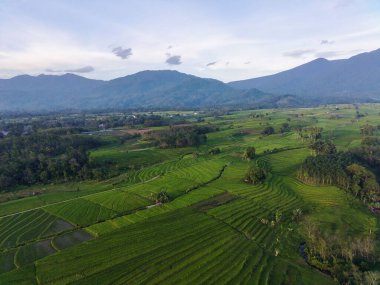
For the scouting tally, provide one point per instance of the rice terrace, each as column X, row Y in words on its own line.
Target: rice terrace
column 189, row 142
column 188, row 215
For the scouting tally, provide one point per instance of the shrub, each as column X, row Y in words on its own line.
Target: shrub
column 268, row 131
column 255, row 175
column 214, row 151
column 162, row 197
column 249, row 153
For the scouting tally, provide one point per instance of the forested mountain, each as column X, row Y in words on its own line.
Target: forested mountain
column 356, row 79
column 344, row 80
column 146, row 89
column 164, row 88
column 27, row 92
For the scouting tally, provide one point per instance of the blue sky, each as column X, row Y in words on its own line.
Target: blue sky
column 226, row 40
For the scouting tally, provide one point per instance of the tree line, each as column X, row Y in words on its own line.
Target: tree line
column 83, row 122
column 344, row 258
column 43, row 157
column 309, row 133
column 346, row 170
column 180, row 136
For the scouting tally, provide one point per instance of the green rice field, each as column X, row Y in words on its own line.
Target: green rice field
column 211, row 231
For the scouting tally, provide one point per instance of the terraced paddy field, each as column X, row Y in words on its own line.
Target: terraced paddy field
column 215, row 228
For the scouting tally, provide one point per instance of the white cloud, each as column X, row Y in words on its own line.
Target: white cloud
column 326, row 42
column 298, row 53
column 62, row 35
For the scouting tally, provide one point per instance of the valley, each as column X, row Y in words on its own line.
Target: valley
column 170, row 204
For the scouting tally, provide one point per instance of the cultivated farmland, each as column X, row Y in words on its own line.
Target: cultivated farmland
column 214, row 227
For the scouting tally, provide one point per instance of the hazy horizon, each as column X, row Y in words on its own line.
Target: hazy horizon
column 167, row 69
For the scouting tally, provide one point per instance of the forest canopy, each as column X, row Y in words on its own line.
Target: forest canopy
column 44, row 157
column 347, row 170
column 180, row 136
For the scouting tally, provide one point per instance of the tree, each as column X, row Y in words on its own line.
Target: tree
column 322, row 147
column 285, row 127
column 249, row 153
column 363, row 182
column 180, row 136
column 255, row 175
column 268, row 131
column 297, row 214
column 214, row 151
column 342, row 170
column 371, row 141
column 277, row 216
column 195, row 154
column 325, row 170
column 367, row 130
column 45, row 156
column 162, row 197
column 310, row 133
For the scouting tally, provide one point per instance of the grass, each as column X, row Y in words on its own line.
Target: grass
column 7, row 260
column 173, row 258
column 213, row 229
column 119, row 201
column 31, row 252
column 184, row 201
column 123, row 157
column 81, row 212
column 70, row 239
column 51, row 194
column 22, row 276
column 29, row 226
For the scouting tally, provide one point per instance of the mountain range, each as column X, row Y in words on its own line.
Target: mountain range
column 343, row 80
column 164, row 89
column 356, row 79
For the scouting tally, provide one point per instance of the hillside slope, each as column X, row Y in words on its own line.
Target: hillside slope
column 146, row 89
column 353, row 79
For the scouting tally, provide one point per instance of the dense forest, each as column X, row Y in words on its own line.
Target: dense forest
column 16, row 126
column 344, row 259
column 351, row 171
column 55, row 148
column 181, row 136
column 45, row 156
column 348, row 170
column 309, row 133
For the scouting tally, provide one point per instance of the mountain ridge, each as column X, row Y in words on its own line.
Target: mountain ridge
column 145, row 89
column 321, row 81
column 356, row 77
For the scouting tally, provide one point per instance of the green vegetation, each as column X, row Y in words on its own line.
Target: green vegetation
column 340, row 169
column 321, row 147
column 178, row 204
column 214, row 151
column 255, row 175
column 249, row 153
column 162, row 197
column 43, row 157
column 180, row 136
column 268, row 131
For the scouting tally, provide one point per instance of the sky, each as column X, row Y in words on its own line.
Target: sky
column 225, row 40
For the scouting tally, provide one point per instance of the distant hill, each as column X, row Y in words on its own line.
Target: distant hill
column 146, row 89
column 356, row 79
column 50, row 92
column 344, row 80
column 163, row 88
